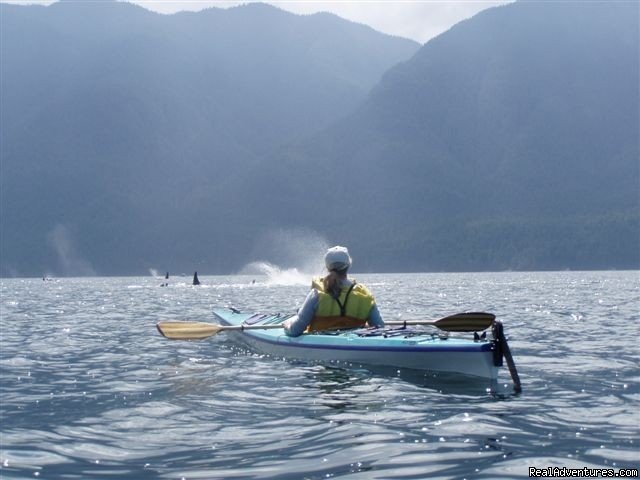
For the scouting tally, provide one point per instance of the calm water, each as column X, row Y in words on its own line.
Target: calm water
column 90, row 390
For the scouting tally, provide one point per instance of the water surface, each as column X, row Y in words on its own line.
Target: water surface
column 91, row 390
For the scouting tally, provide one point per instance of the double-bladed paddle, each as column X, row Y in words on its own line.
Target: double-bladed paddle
column 460, row 322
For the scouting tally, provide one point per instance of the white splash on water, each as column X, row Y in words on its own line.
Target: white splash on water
column 276, row 275
column 288, row 256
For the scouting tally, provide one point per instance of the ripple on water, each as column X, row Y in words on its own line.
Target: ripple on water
column 90, row 390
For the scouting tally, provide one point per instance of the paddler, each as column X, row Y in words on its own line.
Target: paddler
column 335, row 301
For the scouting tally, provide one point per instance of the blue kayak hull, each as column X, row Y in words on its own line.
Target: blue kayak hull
column 415, row 350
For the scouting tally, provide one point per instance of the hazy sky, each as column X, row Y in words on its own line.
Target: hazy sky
column 416, row 19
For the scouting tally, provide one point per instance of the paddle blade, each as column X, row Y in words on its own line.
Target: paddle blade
column 466, row 322
column 187, row 330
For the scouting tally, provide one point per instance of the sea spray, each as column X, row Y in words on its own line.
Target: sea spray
column 69, row 259
column 288, row 256
column 275, row 275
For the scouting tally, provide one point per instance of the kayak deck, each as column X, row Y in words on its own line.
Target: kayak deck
column 415, row 348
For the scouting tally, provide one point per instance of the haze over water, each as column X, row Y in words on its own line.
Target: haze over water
column 89, row 389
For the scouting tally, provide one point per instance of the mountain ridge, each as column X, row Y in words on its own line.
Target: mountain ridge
column 111, row 108
column 508, row 142
column 488, row 126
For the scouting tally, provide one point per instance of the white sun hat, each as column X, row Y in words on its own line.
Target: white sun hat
column 337, row 259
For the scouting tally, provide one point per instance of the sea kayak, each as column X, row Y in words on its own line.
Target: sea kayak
column 421, row 348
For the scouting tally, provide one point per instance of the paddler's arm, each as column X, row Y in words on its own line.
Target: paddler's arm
column 295, row 326
column 375, row 319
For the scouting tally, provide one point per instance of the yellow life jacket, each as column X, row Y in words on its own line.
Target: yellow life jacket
column 350, row 310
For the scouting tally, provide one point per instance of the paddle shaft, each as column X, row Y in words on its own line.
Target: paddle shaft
column 250, row 327
column 461, row 322
column 200, row 330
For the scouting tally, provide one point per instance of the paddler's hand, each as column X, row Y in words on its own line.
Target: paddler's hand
column 291, row 329
column 297, row 324
column 287, row 326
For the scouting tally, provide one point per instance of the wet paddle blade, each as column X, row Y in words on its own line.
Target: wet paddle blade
column 466, row 322
column 187, row 330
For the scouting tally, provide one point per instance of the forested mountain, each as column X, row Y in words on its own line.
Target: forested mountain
column 509, row 142
column 118, row 122
column 132, row 140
